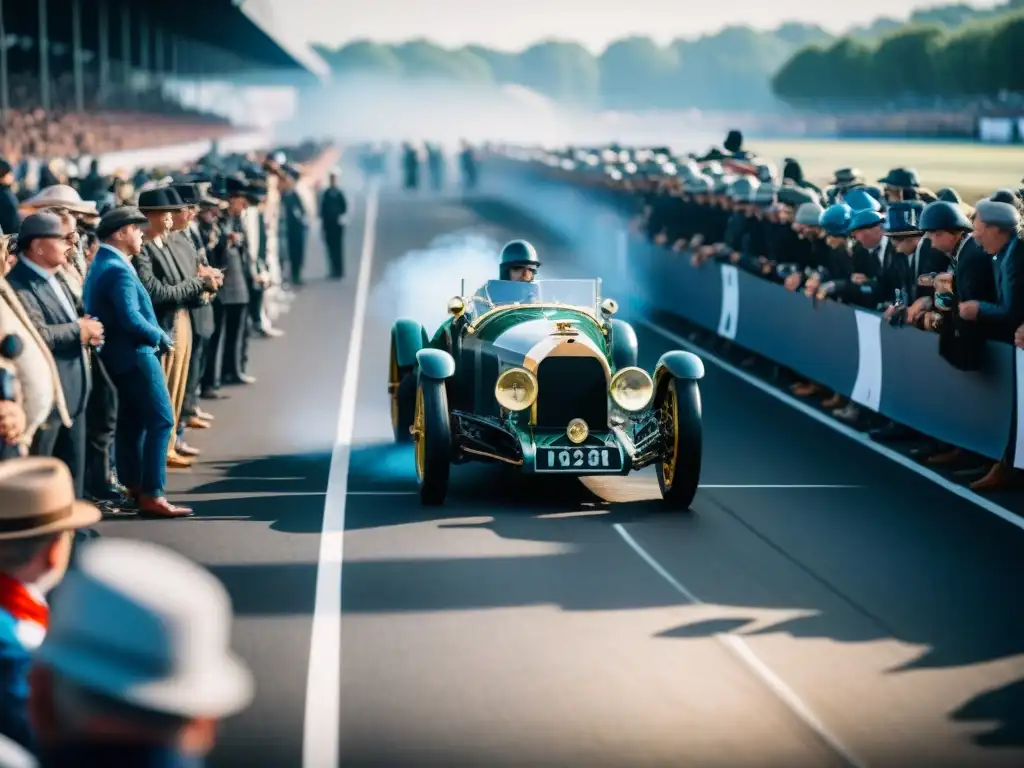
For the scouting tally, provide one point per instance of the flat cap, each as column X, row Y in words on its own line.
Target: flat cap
column 1002, row 215
column 117, row 218
column 809, row 214
column 37, row 225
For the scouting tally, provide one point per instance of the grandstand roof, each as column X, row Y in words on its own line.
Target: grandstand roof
column 247, row 28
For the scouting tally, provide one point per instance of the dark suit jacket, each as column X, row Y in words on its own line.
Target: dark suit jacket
column 294, row 212
column 974, row 277
column 898, row 272
column 10, row 221
column 169, row 283
column 114, row 295
column 333, row 206
column 1003, row 316
column 200, row 311
column 62, row 337
column 235, row 261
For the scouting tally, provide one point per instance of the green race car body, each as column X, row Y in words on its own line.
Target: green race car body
column 539, row 376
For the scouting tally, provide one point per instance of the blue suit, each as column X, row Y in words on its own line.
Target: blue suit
column 133, row 341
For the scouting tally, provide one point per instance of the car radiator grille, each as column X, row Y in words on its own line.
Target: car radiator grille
column 571, row 388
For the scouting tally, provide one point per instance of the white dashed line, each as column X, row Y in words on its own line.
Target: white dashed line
column 739, row 648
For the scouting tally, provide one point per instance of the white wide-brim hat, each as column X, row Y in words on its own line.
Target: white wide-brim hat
column 63, row 196
column 144, row 625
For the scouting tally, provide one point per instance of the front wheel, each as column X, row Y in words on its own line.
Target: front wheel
column 401, row 386
column 432, row 436
column 679, row 415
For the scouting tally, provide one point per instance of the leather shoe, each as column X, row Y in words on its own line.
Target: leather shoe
column 174, row 461
column 946, row 457
column 159, row 506
column 834, row 401
column 200, row 413
column 195, row 422
column 213, row 394
column 999, row 477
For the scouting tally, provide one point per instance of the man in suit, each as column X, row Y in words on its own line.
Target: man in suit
column 333, row 207
column 176, row 285
column 997, row 229
column 910, row 257
column 134, row 343
column 185, row 241
column 232, row 257
column 296, row 223
column 43, row 248
column 209, row 226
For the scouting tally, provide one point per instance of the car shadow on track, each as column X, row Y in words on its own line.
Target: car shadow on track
column 588, row 571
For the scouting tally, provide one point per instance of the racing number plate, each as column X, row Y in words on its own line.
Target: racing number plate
column 579, row 460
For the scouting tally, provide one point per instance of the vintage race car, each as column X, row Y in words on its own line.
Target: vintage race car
column 540, row 376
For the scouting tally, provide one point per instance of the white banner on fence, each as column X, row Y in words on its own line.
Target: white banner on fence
column 730, row 316
column 867, row 389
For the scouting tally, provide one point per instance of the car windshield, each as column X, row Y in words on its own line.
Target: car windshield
column 498, row 293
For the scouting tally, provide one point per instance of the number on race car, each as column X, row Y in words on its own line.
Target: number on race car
column 571, row 458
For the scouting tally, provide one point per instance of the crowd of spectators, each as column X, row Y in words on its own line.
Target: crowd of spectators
column 126, row 307
column 68, row 138
column 923, row 258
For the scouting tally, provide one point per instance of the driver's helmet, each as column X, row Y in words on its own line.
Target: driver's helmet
column 517, row 253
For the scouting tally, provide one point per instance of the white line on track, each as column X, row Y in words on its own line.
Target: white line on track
column 904, row 461
column 321, row 723
column 782, row 486
column 741, row 650
column 382, row 493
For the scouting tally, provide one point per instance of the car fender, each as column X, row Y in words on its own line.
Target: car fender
column 625, row 348
column 407, row 337
column 679, row 364
column 435, row 364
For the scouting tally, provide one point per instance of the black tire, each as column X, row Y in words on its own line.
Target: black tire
column 402, row 390
column 678, row 401
column 433, row 441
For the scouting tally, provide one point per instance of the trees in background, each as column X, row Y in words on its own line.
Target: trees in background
column 914, row 64
column 952, row 50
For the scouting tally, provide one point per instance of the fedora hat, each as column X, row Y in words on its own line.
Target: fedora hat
column 62, row 196
column 119, row 631
column 192, row 194
column 160, row 199
column 230, row 186
column 37, row 497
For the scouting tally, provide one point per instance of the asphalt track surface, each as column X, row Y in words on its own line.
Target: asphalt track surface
column 820, row 606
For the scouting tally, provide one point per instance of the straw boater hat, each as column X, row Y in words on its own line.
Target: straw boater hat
column 62, row 196
column 37, row 497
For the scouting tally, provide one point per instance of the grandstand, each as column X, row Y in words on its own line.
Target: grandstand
column 87, row 77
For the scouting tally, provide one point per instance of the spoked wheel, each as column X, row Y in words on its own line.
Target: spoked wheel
column 400, row 391
column 678, row 469
column 432, row 437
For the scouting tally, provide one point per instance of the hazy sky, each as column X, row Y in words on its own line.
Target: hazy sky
column 514, row 24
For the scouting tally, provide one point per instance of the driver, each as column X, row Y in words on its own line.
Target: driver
column 518, row 262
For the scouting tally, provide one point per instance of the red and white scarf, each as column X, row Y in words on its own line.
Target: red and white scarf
column 29, row 610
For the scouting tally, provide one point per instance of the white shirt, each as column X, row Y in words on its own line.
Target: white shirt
column 879, row 250
column 57, row 288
